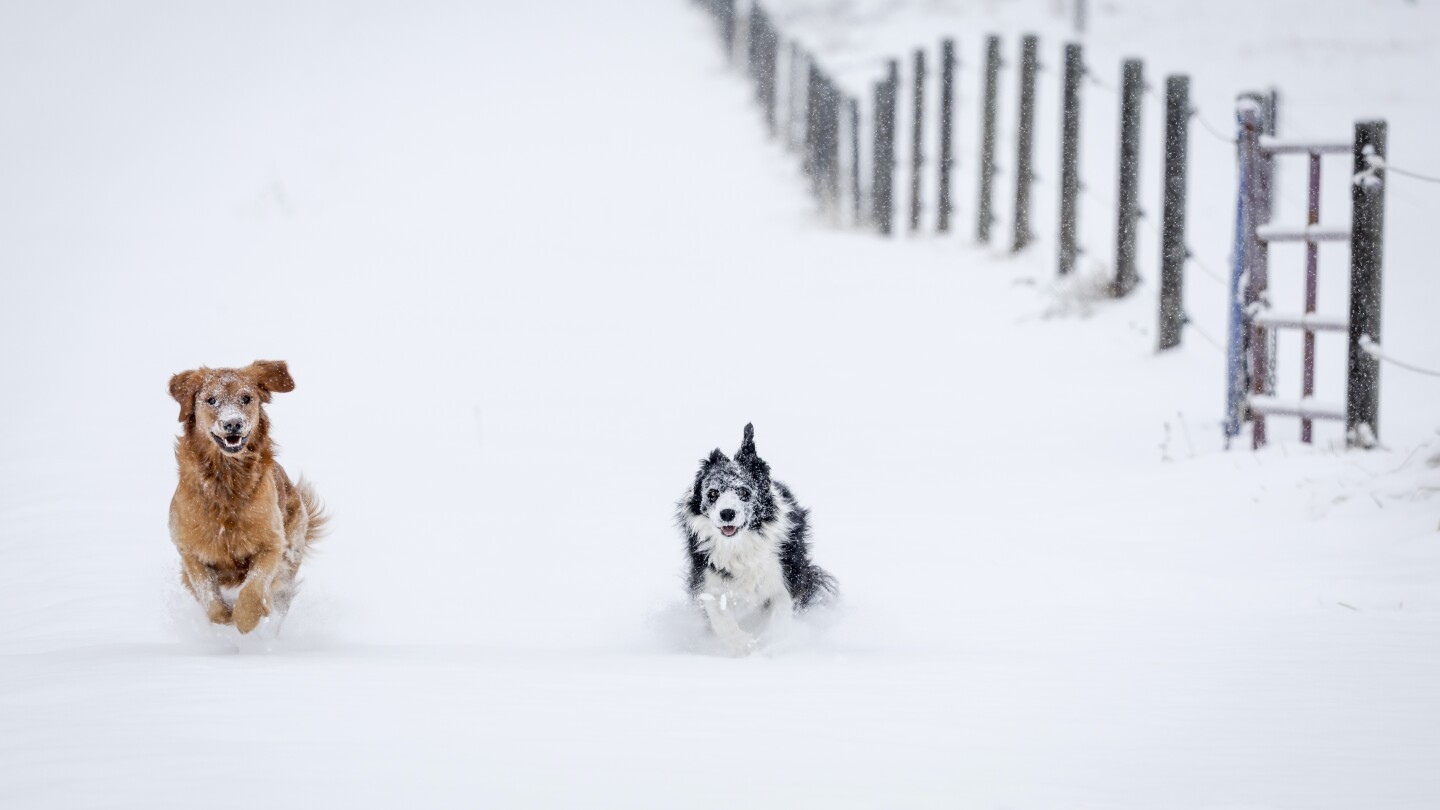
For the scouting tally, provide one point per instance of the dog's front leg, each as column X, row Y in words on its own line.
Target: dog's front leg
column 722, row 621
column 200, row 579
column 253, row 603
column 782, row 613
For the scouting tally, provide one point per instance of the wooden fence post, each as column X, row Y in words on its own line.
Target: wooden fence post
column 1070, row 159
column 1127, row 213
column 1367, row 232
column 917, row 142
column 987, row 139
column 1024, row 143
column 947, row 104
column 856, row 213
column 1173, row 251
column 881, row 187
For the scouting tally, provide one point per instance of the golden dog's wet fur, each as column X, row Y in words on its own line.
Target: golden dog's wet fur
column 236, row 519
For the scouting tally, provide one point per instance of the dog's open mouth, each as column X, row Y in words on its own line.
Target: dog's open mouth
column 729, row 531
column 230, row 443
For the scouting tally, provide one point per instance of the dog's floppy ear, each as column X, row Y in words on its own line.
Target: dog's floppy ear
column 271, row 377
column 183, row 387
column 716, row 457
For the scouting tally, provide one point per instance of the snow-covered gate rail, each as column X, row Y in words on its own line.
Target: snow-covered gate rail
column 1251, row 391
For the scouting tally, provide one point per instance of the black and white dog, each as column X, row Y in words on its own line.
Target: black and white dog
column 749, row 546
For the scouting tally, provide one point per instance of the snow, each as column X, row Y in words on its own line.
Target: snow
column 527, row 265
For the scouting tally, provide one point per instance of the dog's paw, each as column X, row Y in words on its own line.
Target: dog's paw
column 739, row 645
column 219, row 612
column 250, row 608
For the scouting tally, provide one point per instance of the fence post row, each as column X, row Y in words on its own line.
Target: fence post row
column 1172, row 248
column 947, row 105
column 1025, row 138
column 1070, row 159
column 987, row 139
column 1127, row 198
column 1367, row 202
column 884, row 163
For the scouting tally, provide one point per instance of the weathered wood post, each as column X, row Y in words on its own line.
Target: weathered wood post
column 810, row 158
column 1172, row 249
column 917, row 129
column 984, row 215
column 830, row 142
column 1127, row 198
column 1024, row 143
column 855, row 161
column 1367, row 231
column 798, row 76
column 763, row 44
column 947, row 104
column 881, row 187
column 1070, row 159
column 1243, row 276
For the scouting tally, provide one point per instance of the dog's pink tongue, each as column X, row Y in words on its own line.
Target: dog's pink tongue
column 729, row 531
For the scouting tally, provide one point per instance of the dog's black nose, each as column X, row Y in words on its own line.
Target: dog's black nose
column 233, row 426
column 727, row 514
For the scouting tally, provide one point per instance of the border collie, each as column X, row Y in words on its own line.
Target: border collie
column 749, row 546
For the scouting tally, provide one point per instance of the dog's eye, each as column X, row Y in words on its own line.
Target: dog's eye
column 245, row 400
column 210, row 401
column 744, row 494
column 713, row 494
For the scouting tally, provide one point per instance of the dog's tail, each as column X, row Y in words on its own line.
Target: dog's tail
column 317, row 519
column 818, row 587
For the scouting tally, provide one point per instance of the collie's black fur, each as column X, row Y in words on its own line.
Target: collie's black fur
column 780, row 525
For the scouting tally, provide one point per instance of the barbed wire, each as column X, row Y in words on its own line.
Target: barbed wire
column 1374, row 161
column 1190, row 322
column 1205, row 125
column 1095, row 80
column 1205, row 269
column 1372, row 348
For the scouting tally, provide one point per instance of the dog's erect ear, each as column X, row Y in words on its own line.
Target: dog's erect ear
column 271, row 377
column 183, row 387
column 750, row 460
column 747, row 444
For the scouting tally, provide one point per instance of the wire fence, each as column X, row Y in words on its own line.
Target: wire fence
column 813, row 114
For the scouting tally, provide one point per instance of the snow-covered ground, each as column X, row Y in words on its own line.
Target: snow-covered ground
column 528, row 265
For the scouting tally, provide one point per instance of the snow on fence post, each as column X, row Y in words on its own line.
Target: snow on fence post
column 917, row 141
column 1172, row 236
column 1025, row 139
column 1128, row 196
column 854, row 105
column 987, row 139
column 1367, row 230
column 1070, row 159
column 884, row 163
column 1238, row 371
column 947, row 104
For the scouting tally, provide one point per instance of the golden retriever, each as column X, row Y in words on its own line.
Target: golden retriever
column 241, row 527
